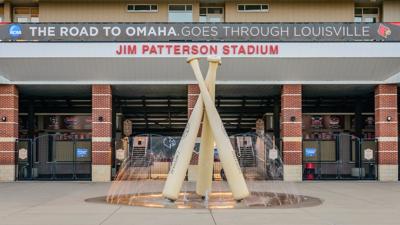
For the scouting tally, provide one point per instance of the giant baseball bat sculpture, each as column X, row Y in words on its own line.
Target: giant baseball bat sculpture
column 206, row 153
column 226, row 152
column 185, row 148
column 184, row 152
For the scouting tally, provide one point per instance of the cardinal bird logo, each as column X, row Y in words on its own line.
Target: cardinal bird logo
column 384, row 31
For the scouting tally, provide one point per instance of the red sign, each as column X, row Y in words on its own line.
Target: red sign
column 201, row 49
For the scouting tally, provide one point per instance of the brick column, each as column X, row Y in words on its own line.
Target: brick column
column 8, row 131
column 291, row 133
column 386, row 131
column 101, row 132
column 193, row 94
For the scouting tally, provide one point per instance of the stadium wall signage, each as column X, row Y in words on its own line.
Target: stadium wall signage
column 200, row 32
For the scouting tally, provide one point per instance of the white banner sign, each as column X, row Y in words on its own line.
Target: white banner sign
column 273, row 154
column 228, row 49
column 368, row 154
column 120, row 154
column 23, row 153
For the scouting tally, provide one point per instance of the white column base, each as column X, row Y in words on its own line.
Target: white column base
column 101, row 173
column 292, row 172
column 388, row 173
column 7, row 172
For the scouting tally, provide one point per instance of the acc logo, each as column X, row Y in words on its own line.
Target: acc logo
column 15, row 30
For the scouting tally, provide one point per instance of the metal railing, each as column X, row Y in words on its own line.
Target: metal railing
column 160, row 150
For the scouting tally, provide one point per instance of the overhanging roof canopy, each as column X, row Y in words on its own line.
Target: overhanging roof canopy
column 305, row 63
column 176, row 71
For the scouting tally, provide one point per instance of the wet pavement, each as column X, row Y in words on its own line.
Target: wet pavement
column 58, row 203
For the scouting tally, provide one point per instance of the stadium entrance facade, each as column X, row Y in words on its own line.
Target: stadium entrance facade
column 74, row 94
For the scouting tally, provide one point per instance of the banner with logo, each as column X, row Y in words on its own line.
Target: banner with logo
column 200, row 32
column 69, row 122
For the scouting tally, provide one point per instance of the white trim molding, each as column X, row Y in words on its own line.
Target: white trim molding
column 8, row 139
column 295, row 108
column 101, row 139
column 292, row 139
column 385, row 95
column 101, row 108
column 101, row 94
column 387, row 139
column 8, row 95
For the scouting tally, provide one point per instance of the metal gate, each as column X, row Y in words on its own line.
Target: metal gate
column 149, row 156
column 53, row 157
column 344, row 157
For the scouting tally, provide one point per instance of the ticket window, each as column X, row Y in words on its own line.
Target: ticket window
column 212, row 14
column 26, row 14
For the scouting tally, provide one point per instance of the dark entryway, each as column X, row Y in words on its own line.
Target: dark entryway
column 51, row 157
column 339, row 132
column 345, row 157
column 54, row 132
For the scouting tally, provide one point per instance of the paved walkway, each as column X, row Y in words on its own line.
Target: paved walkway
column 58, row 203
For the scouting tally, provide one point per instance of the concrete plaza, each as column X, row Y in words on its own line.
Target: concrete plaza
column 59, row 203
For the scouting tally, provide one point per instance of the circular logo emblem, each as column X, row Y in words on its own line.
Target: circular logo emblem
column 169, row 142
column 71, row 122
column 15, row 30
column 273, row 154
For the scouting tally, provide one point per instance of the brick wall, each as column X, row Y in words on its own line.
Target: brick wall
column 386, row 130
column 8, row 130
column 291, row 131
column 101, row 130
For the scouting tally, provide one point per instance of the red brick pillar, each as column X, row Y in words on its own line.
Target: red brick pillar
column 101, row 132
column 386, row 131
column 291, row 133
column 193, row 95
column 8, row 131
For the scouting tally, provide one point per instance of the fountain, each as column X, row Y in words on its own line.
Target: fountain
column 250, row 157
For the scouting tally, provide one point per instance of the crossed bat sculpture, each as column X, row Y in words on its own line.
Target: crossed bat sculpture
column 213, row 130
